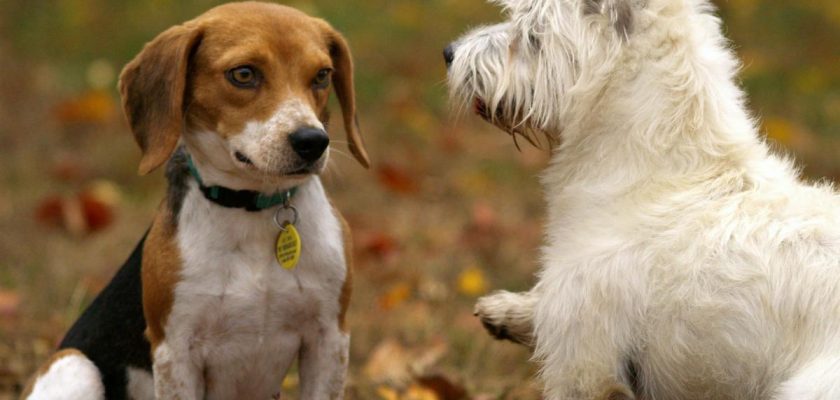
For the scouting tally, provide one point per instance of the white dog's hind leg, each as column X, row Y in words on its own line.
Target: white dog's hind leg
column 509, row 316
column 70, row 376
column 818, row 380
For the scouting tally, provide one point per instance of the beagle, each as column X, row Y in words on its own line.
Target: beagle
column 246, row 266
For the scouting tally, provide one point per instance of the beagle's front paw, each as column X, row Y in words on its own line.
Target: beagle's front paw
column 508, row 316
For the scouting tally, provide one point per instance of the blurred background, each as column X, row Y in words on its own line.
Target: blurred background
column 450, row 209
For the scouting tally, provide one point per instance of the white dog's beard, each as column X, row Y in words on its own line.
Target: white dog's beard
column 502, row 119
column 484, row 81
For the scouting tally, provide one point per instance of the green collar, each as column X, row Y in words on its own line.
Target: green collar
column 246, row 199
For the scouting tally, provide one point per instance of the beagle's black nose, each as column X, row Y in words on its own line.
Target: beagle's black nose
column 449, row 55
column 309, row 143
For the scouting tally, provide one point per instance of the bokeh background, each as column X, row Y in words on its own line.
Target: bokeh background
column 450, row 210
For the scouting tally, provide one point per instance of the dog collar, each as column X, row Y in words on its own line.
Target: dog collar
column 249, row 200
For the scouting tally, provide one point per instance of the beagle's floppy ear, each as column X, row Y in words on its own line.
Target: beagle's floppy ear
column 153, row 87
column 346, row 93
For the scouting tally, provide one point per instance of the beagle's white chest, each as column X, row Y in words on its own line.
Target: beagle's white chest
column 237, row 313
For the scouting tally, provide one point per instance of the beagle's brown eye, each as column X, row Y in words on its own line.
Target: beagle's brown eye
column 322, row 80
column 244, row 77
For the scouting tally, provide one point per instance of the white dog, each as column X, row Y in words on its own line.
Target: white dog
column 683, row 260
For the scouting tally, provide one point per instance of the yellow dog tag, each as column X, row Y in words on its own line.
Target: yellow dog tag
column 288, row 247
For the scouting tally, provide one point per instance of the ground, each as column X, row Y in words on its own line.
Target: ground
column 450, row 209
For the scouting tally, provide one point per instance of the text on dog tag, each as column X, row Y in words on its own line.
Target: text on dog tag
column 288, row 247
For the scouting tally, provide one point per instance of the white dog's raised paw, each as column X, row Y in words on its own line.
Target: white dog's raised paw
column 507, row 316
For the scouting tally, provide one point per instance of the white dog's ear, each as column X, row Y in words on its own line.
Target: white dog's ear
column 620, row 13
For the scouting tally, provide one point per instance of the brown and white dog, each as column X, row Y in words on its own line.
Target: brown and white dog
column 236, row 100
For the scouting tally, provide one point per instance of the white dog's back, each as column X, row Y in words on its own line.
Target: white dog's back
column 735, row 294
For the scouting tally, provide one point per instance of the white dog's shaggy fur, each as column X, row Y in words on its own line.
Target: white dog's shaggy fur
column 683, row 260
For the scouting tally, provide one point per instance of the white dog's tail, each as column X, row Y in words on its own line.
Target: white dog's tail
column 817, row 380
column 67, row 375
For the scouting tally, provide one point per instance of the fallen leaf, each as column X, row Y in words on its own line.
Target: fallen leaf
column 471, row 282
column 395, row 296
column 387, row 393
column 97, row 214
column 89, row 211
column 105, row 191
column 443, row 388
column 378, row 244
column 417, row 392
column 393, row 364
column 93, row 107
column 388, row 363
column 484, row 216
column 413, row 392
column 9, row 303
column 397, row 179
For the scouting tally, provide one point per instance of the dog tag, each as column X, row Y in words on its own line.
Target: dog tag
column 288, row 247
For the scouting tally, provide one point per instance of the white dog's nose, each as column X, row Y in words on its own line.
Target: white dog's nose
column 449, row 55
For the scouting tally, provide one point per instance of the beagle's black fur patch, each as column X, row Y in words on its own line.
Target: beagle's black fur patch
column 178, row 174
column 110, row 331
